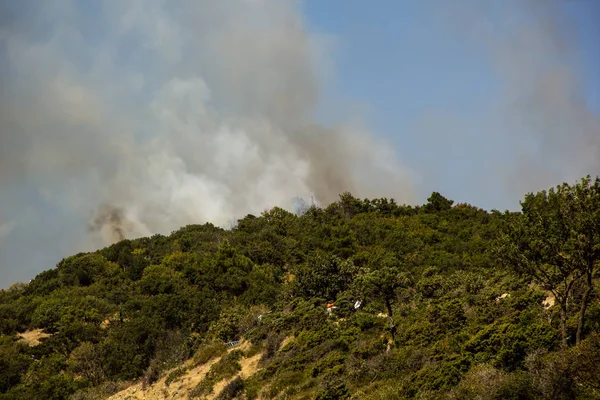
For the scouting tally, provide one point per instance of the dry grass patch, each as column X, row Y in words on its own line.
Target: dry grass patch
column 33, row 337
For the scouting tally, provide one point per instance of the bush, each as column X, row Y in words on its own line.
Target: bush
column 225, row 368
column 208, row 352
column 365, row 321
column 175, row 374
column 203, row 388
column 151, row 375
column 271, row 346
column 484, row 382
column 254, row 350
column 568, row 373
column 100, row 392
column 232, row 390
column 333, row 391
column 227, row 327
column 287, row 380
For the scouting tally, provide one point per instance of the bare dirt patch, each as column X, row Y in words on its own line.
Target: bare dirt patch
column 249, row 368
column 286, row 341
column 179, row 389
column 182, row 386
column 34, row 337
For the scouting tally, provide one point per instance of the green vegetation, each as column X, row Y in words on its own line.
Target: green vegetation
column 208, row 352
column 175, row 374
column 455, row 303
column 232, row 390
column 225, row 368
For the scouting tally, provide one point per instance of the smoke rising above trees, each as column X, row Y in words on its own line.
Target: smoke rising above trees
column 171, row 113
column 141, row 117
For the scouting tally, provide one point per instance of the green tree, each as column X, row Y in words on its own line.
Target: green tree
column 382, row 277
column 323, row 276
column 84, row 269
column 436, row 202
column 158, row 279
column 13, row 363
column 581, row 210
column 349, row 206
column 230, row 270
column 556, row 241
column 86, row 360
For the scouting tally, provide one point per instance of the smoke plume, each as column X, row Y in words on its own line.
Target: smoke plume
column 539, row 112
column 111, row 219
column 139, row 117
column 124, row 119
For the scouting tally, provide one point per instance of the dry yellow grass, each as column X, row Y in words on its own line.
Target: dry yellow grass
column 178, row 389
column 249, row 368
column 32, row 338
column 549, row 301
column 286, row 341
column 181, row 387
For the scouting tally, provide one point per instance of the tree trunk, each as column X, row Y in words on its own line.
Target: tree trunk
column 392, row 326
column 584, row 303
column 563, row 323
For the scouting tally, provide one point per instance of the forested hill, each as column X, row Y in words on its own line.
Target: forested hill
column 439, row 301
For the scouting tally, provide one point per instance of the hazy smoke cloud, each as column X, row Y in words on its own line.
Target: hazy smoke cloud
column 122, row 119
column 5, row 230
column 539, row 109
column 139, row 117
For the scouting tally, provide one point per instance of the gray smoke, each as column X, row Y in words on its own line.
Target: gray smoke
column 130, row 118
column 112, row 220
column 540, row 111
column 139, row 117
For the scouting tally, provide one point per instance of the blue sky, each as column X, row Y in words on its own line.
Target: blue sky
column 401, row 64
column 175, row 112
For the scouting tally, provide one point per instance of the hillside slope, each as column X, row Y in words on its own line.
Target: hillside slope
column 383, row 301
column 185, row 378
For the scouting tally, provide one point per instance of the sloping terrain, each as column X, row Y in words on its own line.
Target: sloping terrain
column 178, row 389
column 182, row 386
column 363, row 299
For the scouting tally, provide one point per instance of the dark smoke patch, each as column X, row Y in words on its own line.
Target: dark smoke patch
column 110, row 220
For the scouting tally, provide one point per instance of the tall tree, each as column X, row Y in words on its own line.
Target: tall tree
column 436, row 202
column 581, row 206
column 556, row 241
column 381, row 278
column 324, row 275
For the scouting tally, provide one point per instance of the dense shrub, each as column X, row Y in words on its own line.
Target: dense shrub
column 429, row 302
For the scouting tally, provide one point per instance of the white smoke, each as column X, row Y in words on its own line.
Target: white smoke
column 139, row 117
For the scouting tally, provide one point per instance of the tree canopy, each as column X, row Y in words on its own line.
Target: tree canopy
column 375, row 299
